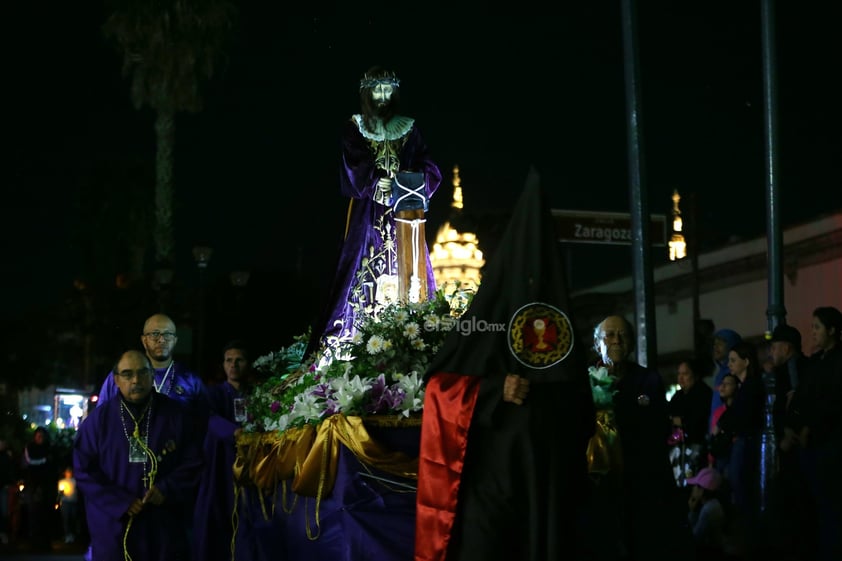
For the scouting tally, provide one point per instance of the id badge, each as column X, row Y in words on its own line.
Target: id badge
column 136, row 452
column 240, row 410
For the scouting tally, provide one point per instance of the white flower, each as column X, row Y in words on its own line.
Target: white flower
column 418, row 344
column 374, row 345
column 401, row 316
column 411, row 330
column 271, row 424
column 307, row 406
column 359, row 385
column 346, row 392
column 600, row 374
column 413, row 387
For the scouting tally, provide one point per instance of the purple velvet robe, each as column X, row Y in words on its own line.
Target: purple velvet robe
column 370, row 231
column 212, row 526
column 109, row 483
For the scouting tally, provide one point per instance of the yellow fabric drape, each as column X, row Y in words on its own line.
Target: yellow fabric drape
column 604, row 453
column 309, row 456
column 266, row 459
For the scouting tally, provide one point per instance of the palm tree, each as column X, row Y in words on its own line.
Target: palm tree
column 169, row 49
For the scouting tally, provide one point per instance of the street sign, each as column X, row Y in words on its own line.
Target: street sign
column 613, row 228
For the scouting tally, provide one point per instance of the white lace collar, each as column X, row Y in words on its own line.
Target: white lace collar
column 396, row 128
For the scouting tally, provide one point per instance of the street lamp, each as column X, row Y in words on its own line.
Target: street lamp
column 202, row 255
column 239, row 279
column 677, row 245
column 679, row 249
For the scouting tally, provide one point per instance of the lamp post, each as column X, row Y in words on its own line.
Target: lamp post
column 161, row 282
column 88, row 322
column 239, row 280
column 202, row 255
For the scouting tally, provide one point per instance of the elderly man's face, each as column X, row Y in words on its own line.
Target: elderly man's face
column 614, row 343
column 134, row 377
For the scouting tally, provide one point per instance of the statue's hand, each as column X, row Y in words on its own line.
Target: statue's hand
column 383, row 192
column 384, row 184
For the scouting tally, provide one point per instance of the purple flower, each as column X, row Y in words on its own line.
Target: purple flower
column 394, row 396
column 332, row 408
column 275, row 406
column 322, row 390
column 383, row 397
column 379, row 385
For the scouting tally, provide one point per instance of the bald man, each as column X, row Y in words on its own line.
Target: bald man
column 171, row 378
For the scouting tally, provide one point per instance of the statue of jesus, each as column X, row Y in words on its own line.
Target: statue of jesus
column 372, row 272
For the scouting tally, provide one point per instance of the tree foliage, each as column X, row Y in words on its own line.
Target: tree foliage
column 170, row 48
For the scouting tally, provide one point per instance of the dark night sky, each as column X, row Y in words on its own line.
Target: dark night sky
column 493, row 92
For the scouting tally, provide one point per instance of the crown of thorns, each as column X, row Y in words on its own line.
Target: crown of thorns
column 386, row 79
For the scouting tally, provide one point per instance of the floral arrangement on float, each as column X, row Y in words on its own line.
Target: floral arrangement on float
column 377, row 372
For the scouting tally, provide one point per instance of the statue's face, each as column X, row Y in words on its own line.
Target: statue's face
column 382, row 93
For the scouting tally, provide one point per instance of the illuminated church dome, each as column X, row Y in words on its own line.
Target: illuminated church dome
column 456, row 257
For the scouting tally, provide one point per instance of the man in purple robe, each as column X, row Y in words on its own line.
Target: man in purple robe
column 172, row 378
column 212, row 528
column 137, row 459
column 376, row 145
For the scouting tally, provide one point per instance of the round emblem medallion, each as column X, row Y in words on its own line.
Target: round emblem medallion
column 540, row 335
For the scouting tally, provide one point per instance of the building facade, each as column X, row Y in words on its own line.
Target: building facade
column 731, row 287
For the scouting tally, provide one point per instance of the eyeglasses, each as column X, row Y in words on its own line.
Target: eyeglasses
column 140, row 373
column 155, row 335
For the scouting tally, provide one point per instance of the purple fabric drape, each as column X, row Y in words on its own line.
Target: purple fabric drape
column 363, row 518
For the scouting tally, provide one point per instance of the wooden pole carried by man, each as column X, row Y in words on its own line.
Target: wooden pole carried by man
column 410, row 204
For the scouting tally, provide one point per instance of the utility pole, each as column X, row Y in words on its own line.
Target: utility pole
column 647, row 342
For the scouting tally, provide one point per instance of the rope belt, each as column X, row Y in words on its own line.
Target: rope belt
column 414, row 281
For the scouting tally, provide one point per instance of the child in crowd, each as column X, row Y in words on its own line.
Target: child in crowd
column 68, row 504
column 706, row 515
